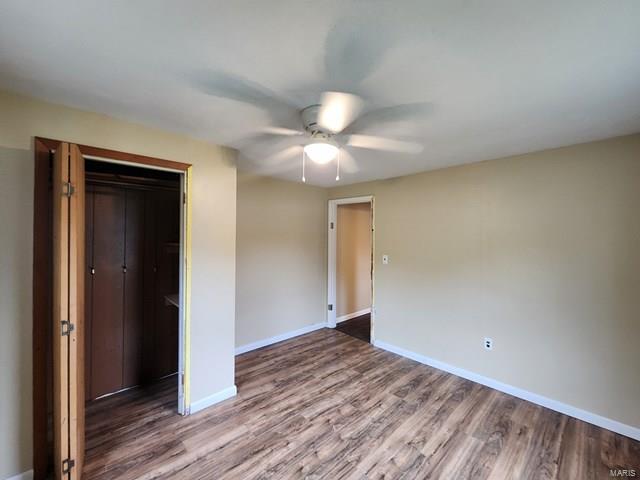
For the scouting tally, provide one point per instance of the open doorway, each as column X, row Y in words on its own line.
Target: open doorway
column 131, row 296
column 111, row 249
column 350, row 283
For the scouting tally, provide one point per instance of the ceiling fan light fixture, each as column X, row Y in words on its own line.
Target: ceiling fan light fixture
column 321, row 152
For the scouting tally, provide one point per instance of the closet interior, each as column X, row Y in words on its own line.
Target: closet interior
column 132, row 279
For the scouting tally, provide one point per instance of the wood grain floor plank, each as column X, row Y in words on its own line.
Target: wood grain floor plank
column 328, row 406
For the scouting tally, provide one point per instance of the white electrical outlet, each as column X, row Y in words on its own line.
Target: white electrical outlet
column 488, row 343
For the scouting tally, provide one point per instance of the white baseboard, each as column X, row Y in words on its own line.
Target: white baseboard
column 279, row 338
column 598, row 420
column 349, row 316
column 28, row 475
column 213, row 399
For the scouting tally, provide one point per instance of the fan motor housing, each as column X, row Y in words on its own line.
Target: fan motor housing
column 309, row 117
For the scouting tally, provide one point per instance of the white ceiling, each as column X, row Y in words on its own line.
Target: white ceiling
column 483, row 79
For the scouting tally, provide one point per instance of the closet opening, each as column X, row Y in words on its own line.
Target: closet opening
column 132, row 227
column 111, row 299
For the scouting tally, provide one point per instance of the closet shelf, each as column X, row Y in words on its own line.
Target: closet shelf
column 172, row 299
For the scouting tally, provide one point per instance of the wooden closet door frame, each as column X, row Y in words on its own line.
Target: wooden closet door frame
column 43, row 278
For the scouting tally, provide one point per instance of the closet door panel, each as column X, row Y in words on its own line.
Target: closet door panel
column 88, row 305
column 68, row 259
column 133, row 293
column 149, row 304
column 108, row 290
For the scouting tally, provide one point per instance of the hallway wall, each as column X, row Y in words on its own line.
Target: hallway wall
column 353, row 258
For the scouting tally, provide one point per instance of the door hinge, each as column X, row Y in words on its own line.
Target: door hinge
column 67, row 465
column 68, row 189
column 67, row 328
column 331, row 225
column 184, row 197
column 330, row 307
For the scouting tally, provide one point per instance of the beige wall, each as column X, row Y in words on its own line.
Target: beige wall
column 281, row 257
column 213, row 242
column 16, row 227
column 541, row 252
column 353, row 258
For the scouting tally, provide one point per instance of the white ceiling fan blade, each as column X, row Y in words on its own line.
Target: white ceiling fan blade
column 283, row 155
column 281, row 131
column 380, row 143
column 347, row 162
column 338, row 110
column 279, row 161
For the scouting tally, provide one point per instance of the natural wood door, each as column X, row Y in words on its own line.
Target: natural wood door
column 68, row 311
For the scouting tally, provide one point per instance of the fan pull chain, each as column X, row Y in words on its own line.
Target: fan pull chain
column 338, row 166
column 304, row 180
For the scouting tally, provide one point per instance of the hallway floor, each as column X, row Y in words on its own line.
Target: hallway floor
column 359, row 327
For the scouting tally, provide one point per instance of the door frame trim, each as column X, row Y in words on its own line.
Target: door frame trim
column 332, row 237
column 42, row 278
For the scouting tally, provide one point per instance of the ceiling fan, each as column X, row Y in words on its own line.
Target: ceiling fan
column 328, row 127
column 336, row 123
column 326, row 132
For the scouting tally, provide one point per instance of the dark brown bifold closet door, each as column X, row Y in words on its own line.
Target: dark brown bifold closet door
column 115, row 295
column 132, row 372
column 68, row 311
column 105, row 312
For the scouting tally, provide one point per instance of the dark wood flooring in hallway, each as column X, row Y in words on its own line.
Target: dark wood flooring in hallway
column 359, row 327
column 328, row 406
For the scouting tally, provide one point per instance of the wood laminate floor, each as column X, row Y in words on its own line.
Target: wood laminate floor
column 328, row 406
column 359, row 327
